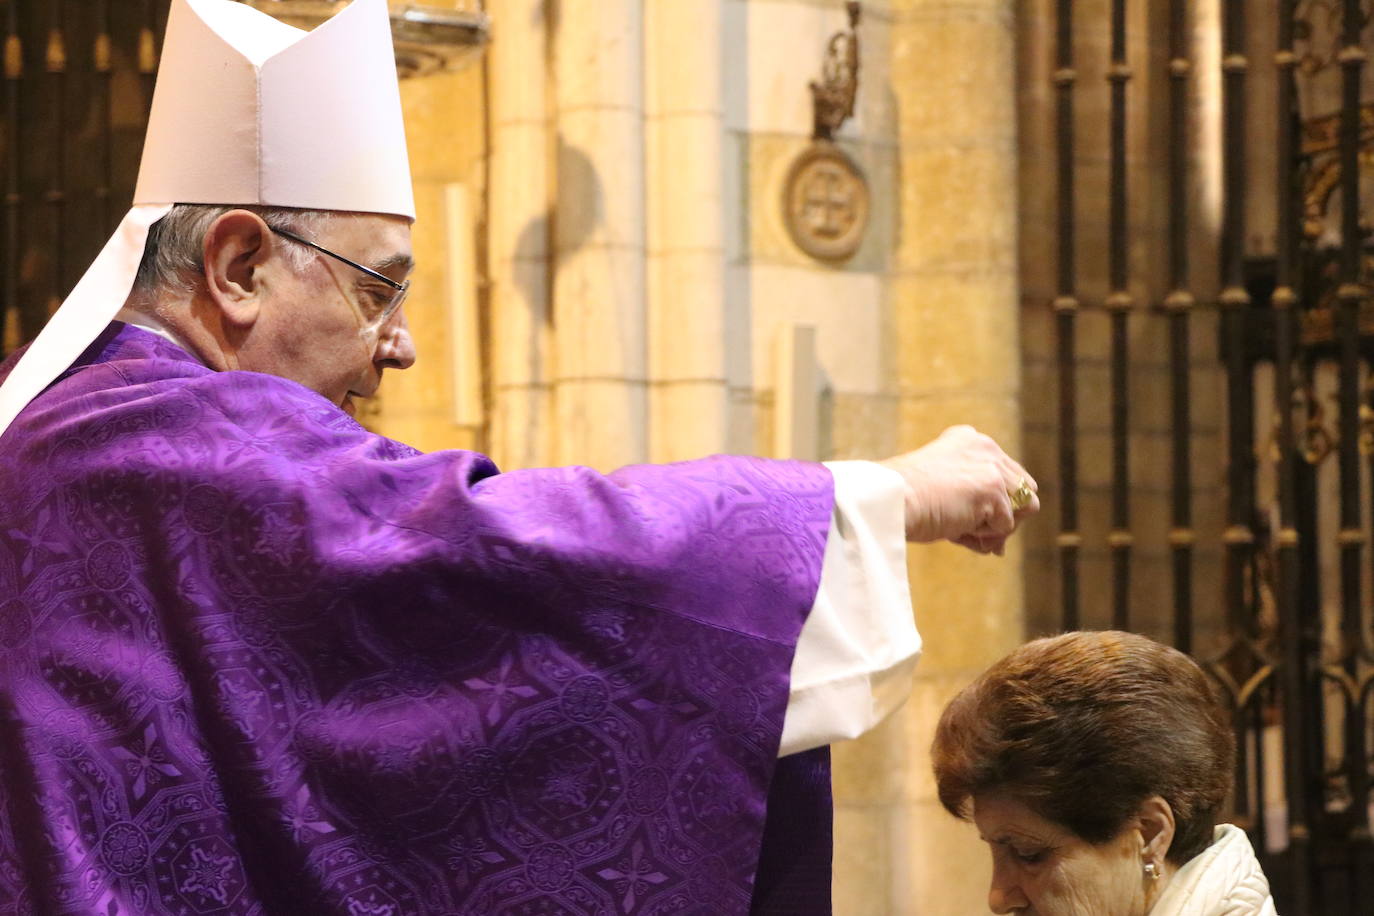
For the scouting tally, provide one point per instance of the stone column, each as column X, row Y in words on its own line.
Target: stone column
column 954, row 301
column 521, row 198
column 599, row 276
column 416, row 406
column 688, row 393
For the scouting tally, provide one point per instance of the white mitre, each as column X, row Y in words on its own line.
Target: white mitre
column 247, row 111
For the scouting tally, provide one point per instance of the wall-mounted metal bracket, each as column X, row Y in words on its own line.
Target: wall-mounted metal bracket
column 833, row 97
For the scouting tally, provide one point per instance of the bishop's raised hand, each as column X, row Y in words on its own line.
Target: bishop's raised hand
column 960, row 487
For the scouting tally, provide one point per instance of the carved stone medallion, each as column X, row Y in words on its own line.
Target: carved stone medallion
column 825, row 203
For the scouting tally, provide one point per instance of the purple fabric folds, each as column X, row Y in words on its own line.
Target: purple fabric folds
column 254, row 659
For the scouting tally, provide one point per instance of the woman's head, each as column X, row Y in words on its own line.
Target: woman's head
column 1105, row 745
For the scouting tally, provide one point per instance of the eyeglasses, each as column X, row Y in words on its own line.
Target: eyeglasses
column 398, row 297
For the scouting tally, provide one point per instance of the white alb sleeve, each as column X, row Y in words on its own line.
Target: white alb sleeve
column 859, row 646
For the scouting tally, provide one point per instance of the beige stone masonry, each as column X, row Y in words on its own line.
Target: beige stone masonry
column 599, row 291
column 687, row 296
column 952, row 290
column 518, row 242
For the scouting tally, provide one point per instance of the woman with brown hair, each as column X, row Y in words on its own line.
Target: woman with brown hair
column 1095, row 766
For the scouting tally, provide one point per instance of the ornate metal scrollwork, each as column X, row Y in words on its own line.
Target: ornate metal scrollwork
column 1316, row 441
column 833, row 97
column 1319, row 27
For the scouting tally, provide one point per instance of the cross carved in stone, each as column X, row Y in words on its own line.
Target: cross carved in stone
column 828, row 200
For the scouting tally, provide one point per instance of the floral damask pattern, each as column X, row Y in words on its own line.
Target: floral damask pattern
column 260, row 661
column 209, row 877
column 124, row 848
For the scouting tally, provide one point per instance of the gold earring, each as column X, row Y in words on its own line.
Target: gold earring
column 1152, row 871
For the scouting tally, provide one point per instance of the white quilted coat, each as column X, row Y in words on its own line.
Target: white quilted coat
column 1222, row 880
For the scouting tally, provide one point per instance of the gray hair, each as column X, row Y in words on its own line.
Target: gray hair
column 172, row 258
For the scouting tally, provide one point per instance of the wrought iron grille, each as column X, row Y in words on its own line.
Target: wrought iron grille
column 1209, row 451
column 78, row 80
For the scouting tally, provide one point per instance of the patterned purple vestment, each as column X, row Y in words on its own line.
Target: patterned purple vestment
column 256, row 660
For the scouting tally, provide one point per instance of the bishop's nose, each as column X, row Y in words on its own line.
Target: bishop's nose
column 395, row 346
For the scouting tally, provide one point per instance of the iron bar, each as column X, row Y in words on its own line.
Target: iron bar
column 1349, row 296
column 1235, row 300
column 55, row 62
column 1119, row 301
column 1065, row 306
column 10, row 314
column 1326, row 873
column 1311, row 597
column 1293, row 681
column 147, row 50
column 103, row 64
column 1179, row 303
column 1260, row 826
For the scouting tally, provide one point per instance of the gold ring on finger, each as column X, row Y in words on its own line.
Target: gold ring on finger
column 1021, row 497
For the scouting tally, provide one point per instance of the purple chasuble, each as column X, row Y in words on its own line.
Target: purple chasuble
column 257, row 660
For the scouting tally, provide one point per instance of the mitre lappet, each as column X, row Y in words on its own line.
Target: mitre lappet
column 247, row 111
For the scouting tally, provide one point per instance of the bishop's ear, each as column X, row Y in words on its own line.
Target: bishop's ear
column 237, row 245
